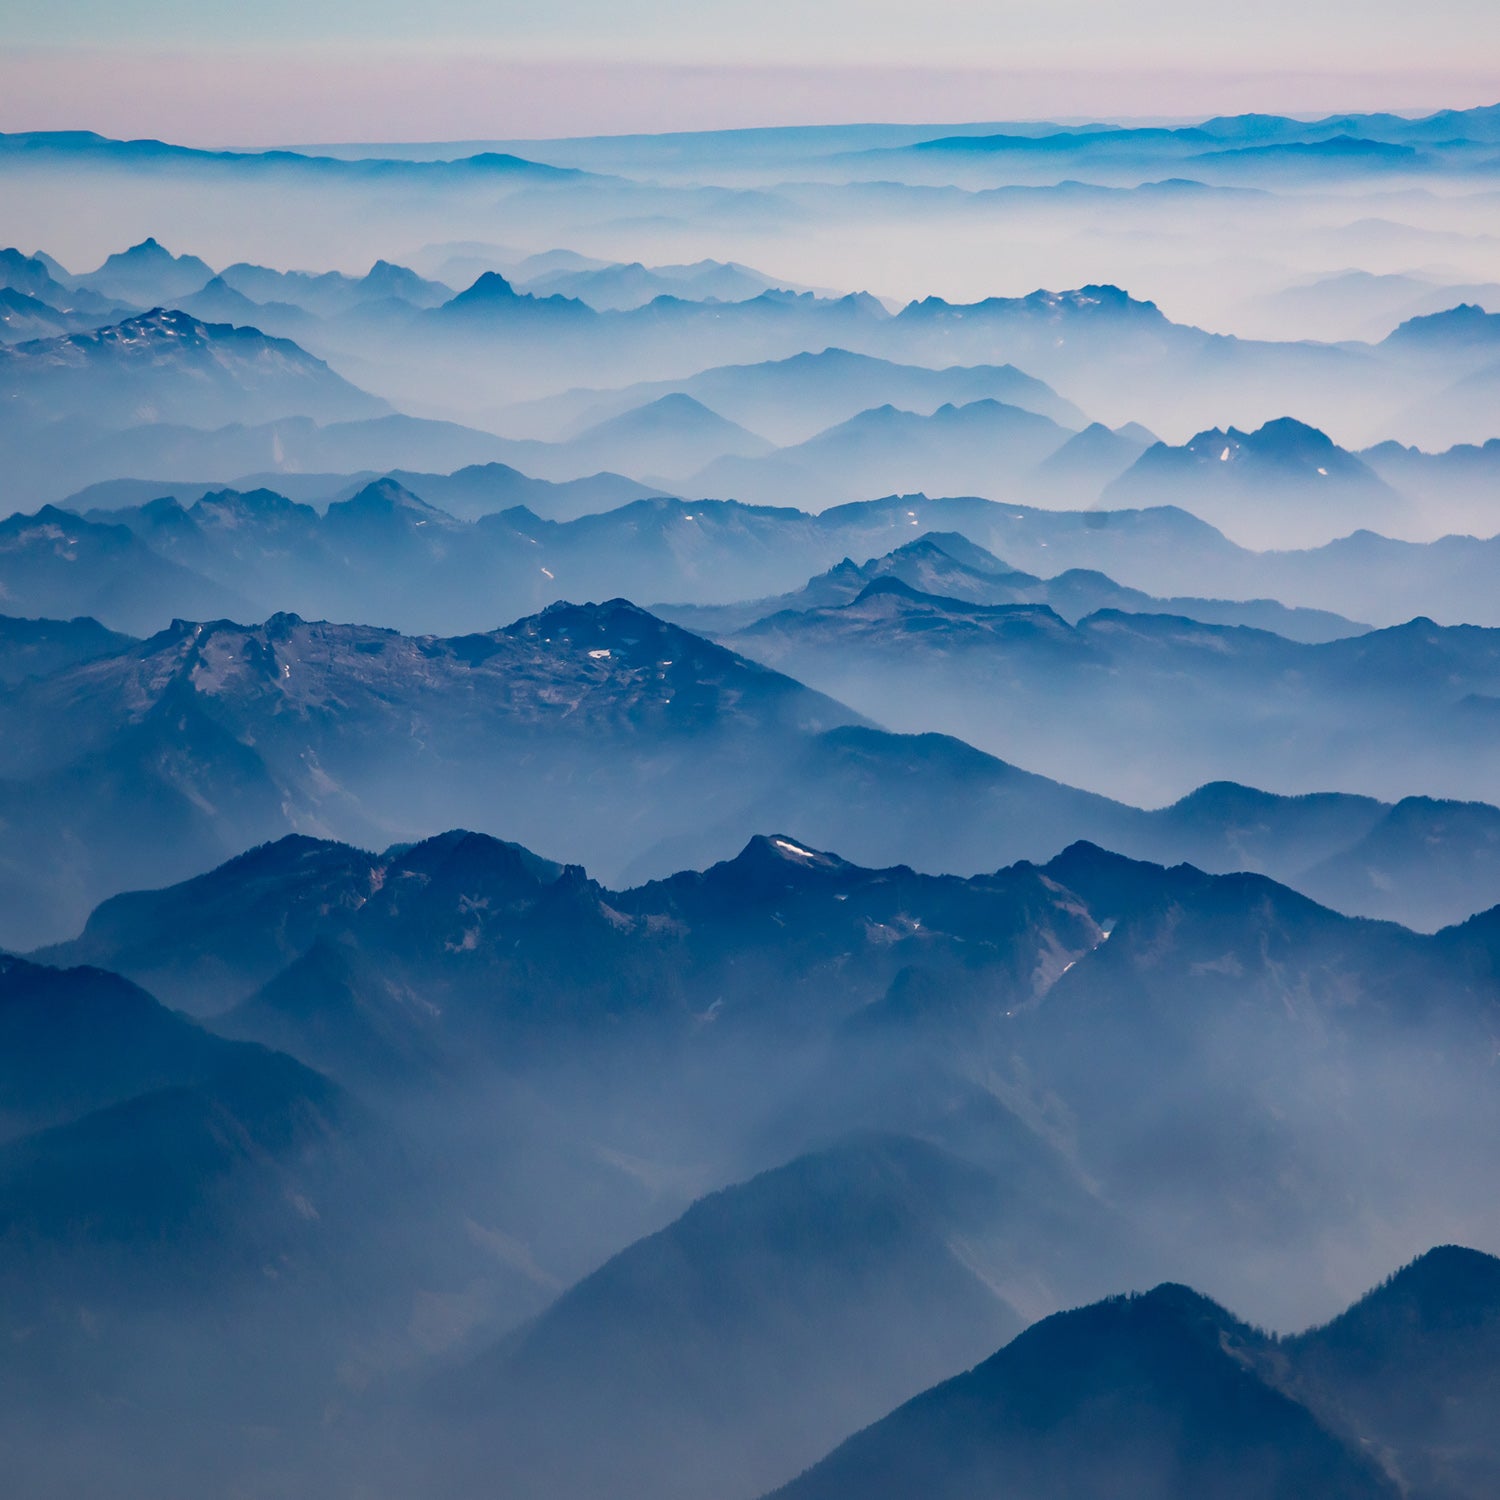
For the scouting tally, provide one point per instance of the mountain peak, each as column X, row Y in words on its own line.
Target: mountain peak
column 389, row 491
column 1284, row 448
column 386, row 279
column 1448, row 1286
column 1286, row 432
column 1154, row 1394
column 777, row 850
column 1226, row 799
column 771, row 864
column 1282, row 438
column 157, row 322
column 616, row 632
column 670, row 411
column 953, row 547
column 460, row 854
column 1468, row 323
column 29, row 275
column 386, row 498
column 152, row 255
column 890, row 584
column 488, row 286
column 387, row 269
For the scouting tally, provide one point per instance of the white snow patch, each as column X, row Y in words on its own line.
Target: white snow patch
column 795, row 850
column 1224, row 456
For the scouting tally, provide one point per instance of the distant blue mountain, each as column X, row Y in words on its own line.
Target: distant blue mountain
column 85, row 146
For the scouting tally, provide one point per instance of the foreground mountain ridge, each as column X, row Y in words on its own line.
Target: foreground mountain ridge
column 1164, row 1394
column 1148, row 962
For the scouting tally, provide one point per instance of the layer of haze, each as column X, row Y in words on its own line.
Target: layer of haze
column 818, row 213
column 207, row 73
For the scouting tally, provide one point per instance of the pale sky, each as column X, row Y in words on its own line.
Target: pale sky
column 215, row 72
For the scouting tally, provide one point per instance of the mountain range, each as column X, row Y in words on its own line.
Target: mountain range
column 68, row 399
column 985, row 446
column 1284, row 484
column 950, row 439
column 948, row 565
column 668, row 748
column 1109, row 336
column 1171, row 701
column 619, row 288
column 791, row 400
column 167, row 365
column 715, row 553
column 787, row 947
column 919, row 1157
